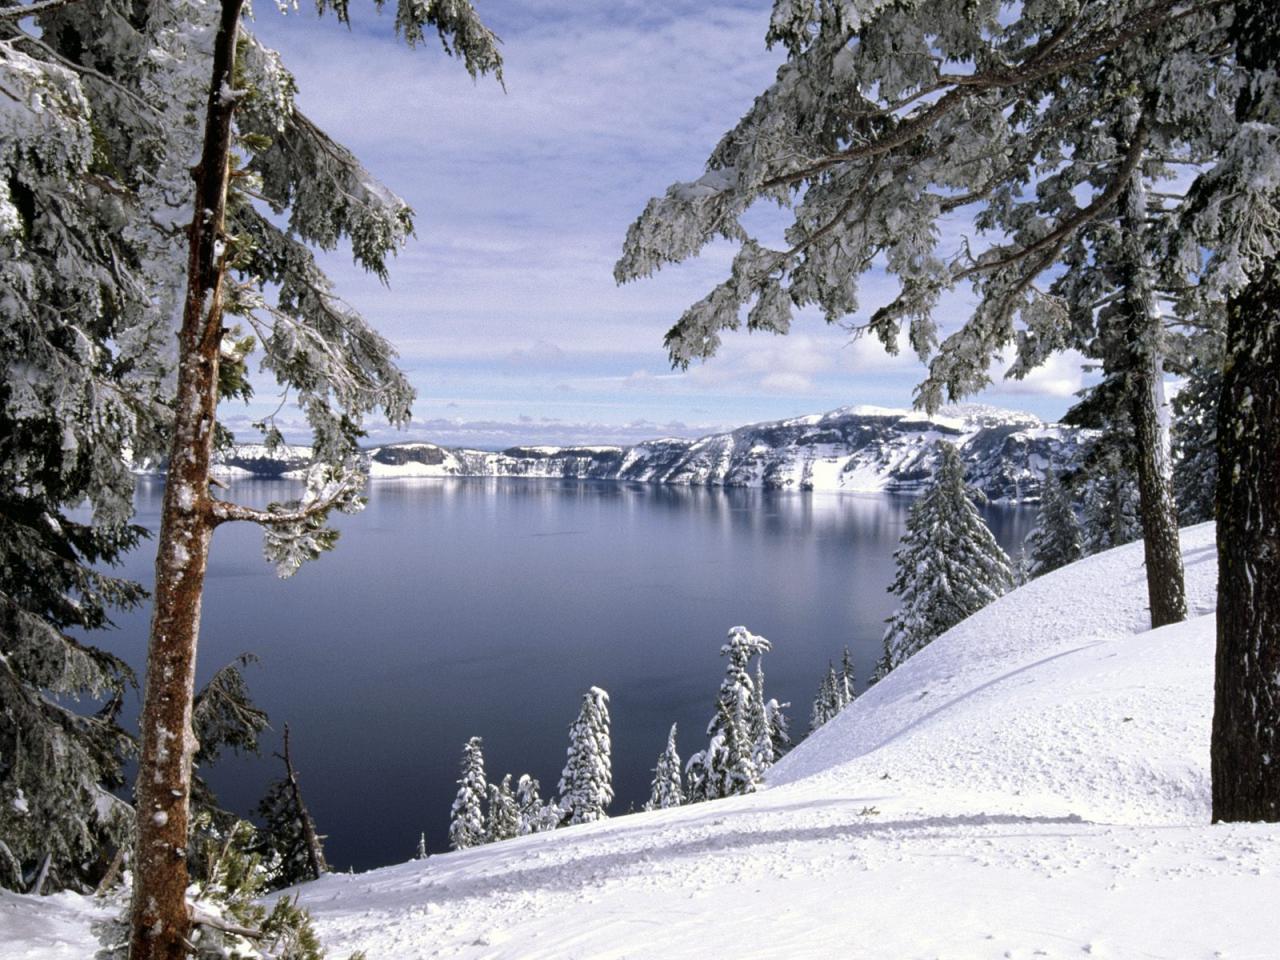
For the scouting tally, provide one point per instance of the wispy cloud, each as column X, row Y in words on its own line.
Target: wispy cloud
column 505, row 303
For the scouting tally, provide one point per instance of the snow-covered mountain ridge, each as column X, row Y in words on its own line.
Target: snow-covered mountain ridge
column 1034, row 784
column 857, row 449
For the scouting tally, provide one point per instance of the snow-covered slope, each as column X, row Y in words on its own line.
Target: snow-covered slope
column 862, row 449
column 1033, row 784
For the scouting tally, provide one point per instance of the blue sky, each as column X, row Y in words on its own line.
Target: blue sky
column 504, row 309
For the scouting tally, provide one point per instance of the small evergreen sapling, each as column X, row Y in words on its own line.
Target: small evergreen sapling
column 948, row 565
column 535, row 815
column 586, row 784
column 289, row 838
column 466, row 823
column 667, row 789
column 503, row 821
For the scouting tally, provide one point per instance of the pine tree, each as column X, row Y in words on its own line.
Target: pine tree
column 535, row 815
column 667, row 789
column 421, row 852
column 1055, row 540
column 948, row 565
column 338, row 366
column 1110, row 515
column 1236, row 214
column 729, row 764
column 763, row 748
column 779, row 727
column 288, row 838
column 847, row 680
column 586, row 785
column 825, row 704
column 83, row 333
column 466, row 823
column 1195, row 439
column 503, row 821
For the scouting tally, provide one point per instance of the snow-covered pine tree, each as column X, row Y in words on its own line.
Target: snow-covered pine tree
column 948, row 564
column 586, row 784
column 1110, row 514
column 1055, row 540
column 729, row 760
column 1195, row 439
column 666, row 789
column 268, row 183
column 764, row 746
column 288, row 839
column 535, row 815
column 846, row 681
column 421, row 852
column 466, row 819
column 83, row 334
column 697, row 775
column 779, row 728
column 503, row 821
column 825, row 703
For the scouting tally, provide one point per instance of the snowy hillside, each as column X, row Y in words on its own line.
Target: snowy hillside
column 1034, row 784
column 860, row 449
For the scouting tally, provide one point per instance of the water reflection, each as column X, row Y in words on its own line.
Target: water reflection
column 460, row 607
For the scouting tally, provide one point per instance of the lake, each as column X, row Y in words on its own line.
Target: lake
column 486, row 607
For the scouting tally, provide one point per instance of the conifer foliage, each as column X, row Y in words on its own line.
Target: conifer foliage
column 1055, row 540
column 289, row 840
column 536, row 815
column 741, row 734
column 834, row 693
column 503, row 821
column 949, row 565
column 667, row 789
column 466, row 820
column 586, row 784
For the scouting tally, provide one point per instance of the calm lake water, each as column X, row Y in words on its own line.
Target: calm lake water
column 473, row 607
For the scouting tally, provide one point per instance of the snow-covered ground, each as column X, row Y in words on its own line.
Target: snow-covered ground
column 1034, row 784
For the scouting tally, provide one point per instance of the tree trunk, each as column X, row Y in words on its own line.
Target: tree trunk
column 1245, row 751
column 1245, row 747
column 161, row 921
column 1144, row 384
column 315, row 852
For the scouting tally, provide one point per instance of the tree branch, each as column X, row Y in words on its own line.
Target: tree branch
column 1038, row 67
column 31, row 9
column 223, row 511
column 1054, row 238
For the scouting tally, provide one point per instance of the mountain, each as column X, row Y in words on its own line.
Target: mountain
column 856, row 449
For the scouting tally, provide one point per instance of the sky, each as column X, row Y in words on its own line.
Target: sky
column 503, row 308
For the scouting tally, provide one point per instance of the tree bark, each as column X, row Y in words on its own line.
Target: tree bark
column 1144, row 383
column 161, row 921
column 315, row 852
column 1245, row 747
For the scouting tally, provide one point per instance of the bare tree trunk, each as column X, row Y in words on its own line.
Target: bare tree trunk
column 315, row 852
column 1245, row 747
column 161, row 921
column 1144, row 385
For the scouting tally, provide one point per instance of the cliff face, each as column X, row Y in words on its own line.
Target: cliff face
column 862, row 449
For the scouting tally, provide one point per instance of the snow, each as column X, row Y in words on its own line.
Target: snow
column 1032, row 784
